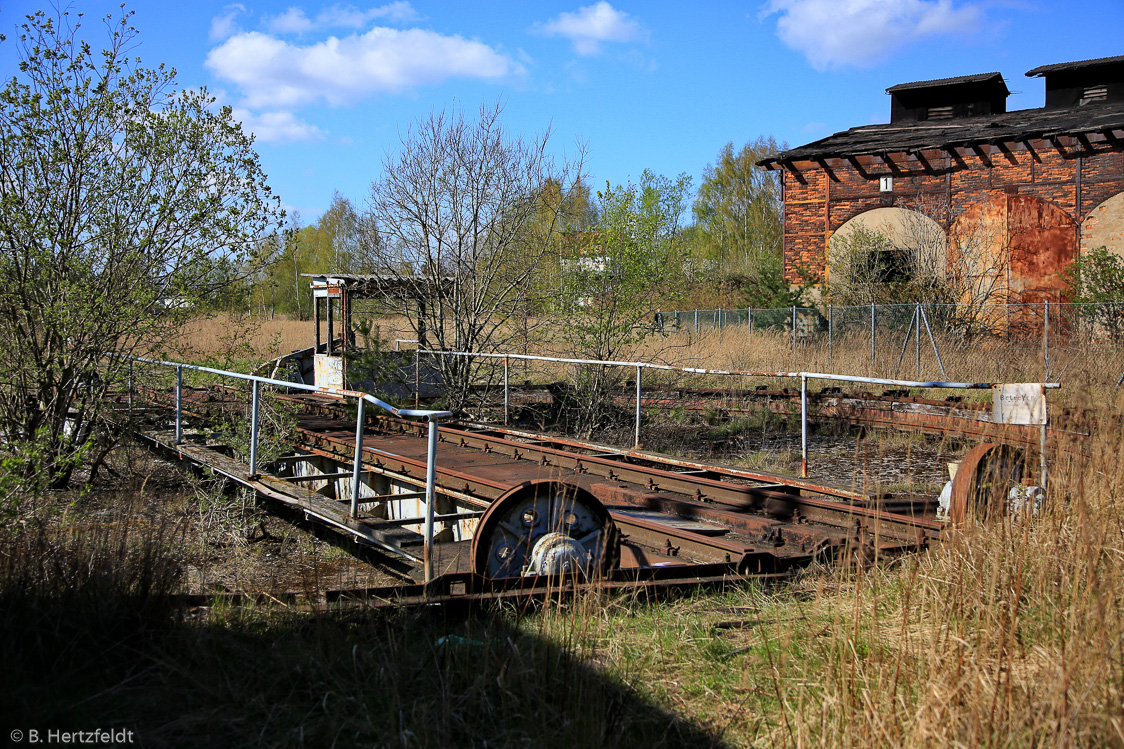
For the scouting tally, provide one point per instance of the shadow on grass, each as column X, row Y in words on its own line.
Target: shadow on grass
column 88, row 640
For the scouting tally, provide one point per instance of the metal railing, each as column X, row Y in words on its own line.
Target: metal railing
column 804, row 378
column 432, row 417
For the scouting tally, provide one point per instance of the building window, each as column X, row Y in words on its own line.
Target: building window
column 939, row 113
column 1093, row 93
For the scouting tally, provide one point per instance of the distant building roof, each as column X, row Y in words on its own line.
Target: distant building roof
column 375, row 284
column 1066, row 66
column 1007, row 127
column 958, row 80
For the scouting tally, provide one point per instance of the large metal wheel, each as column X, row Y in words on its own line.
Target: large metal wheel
column 545, row 528
column 985, row 476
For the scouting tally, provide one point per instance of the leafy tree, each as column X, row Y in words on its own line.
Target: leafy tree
column 462, row 226
column 616, row 276
column 118, row 192
column 738, row 206
column 738, row 226
column 1096, row 278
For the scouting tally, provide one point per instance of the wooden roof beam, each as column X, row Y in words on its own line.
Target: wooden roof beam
column 983, row 151
column 827, row 168
column 1005, row 149
column 854, row 160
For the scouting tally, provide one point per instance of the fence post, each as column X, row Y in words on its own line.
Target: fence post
column 750, row 322
column 696, row 322
column 677, row 321
column 637, row 440
column 719, row 320
column 254, row 400
column 357, row 466
column 1046, row 342
column 872, row 338
column 933, row 341
column 917, row 313
column 430, row 496
column 794, row 332
column 130, row 388
column 804, row 425
column 506, row 391
column 830, row 341
column 179, row 405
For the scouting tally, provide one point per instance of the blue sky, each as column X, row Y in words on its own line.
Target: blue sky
column 327, row 88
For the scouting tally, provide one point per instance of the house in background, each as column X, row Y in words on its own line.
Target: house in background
column 1034, row 188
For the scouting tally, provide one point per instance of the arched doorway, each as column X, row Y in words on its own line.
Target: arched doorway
column 909, row 241
column 1104, row 226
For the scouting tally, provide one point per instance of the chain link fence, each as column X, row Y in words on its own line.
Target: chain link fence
column 1081, row 343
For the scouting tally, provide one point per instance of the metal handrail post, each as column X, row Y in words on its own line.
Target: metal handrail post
column 804, row 426
column 179, row 405
column 506, row 390
column 1042, row 456
column 254, row 401
column 430, row 493
column 357, row 466
column 636, row 442
column 130, row 388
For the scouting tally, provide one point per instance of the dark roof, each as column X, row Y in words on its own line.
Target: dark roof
column 1008, row 127
column 961, row 79
column 376, row 284
column 1063, row 66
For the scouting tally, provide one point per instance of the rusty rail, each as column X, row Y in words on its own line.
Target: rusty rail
column 803, row 376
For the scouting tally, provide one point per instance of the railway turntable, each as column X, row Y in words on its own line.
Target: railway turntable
column 472, row 511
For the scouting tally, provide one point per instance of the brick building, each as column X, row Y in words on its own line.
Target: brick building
column 1041, row 184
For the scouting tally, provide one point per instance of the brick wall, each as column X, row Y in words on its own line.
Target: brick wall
column 821, row 198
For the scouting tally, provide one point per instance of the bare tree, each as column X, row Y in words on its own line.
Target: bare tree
column 459, row 218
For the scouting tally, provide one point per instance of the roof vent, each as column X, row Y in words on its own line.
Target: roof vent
column 948, row 98
column 1075, row 84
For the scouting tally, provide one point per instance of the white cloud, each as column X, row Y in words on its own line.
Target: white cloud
column 277, row 127
column 295, row 21
column 836, row 33
column 292, row 21
column 275, row 74
column 592, row 25
column 226, row 25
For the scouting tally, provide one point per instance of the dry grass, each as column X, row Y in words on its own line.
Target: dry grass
column 1006, row 634
column 242, row 337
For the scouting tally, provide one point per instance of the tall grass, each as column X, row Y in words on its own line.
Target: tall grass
column 1006, row 633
